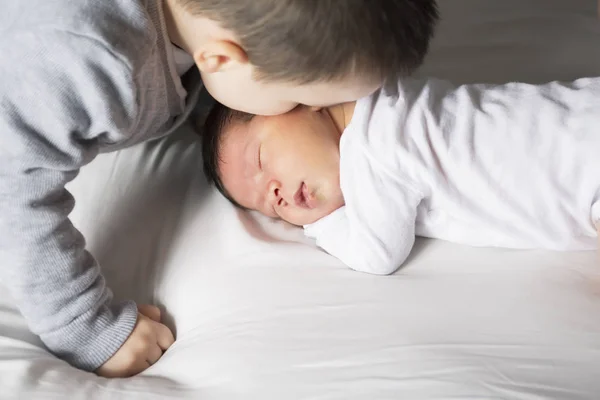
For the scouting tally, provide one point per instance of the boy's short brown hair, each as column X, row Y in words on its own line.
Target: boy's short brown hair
column 306, row 41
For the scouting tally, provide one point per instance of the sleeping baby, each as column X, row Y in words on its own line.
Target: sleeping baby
column 515, row 166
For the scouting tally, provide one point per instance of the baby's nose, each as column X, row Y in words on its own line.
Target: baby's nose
column 274, row 192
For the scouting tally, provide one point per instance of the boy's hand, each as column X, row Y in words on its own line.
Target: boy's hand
column 142, row 348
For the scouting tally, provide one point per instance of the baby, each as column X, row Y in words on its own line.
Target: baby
column 513, row 165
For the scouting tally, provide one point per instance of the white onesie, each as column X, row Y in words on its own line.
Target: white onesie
column 514, row 166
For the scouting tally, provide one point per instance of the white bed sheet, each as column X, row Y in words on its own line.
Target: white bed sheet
column 261, row 314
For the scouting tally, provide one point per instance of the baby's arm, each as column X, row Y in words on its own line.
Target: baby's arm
column 375, row 231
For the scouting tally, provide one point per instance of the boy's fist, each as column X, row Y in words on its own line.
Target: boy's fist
column 142, row 348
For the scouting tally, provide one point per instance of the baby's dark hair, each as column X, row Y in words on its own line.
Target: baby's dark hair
column 211, row 134
column 307, row 41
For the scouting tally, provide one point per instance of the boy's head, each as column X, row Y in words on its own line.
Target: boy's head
column 267, row 56
column 284, row 166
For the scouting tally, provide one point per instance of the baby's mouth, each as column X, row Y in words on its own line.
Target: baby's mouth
column 304, row 198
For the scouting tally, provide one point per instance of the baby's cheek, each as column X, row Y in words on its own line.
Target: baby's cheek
column 336, row 197
column 289, row 215
column 299, row 216
column 323, row 211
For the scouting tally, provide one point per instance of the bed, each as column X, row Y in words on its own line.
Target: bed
column 260, row 313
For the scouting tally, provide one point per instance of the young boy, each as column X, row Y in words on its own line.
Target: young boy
column 513, row 166
column 82, row 77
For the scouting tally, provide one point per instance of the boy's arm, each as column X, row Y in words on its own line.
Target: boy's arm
column 56, row 106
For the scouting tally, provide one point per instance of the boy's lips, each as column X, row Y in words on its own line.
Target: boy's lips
column 304, row 198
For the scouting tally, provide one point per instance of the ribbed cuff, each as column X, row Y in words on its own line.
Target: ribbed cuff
column 91, row 339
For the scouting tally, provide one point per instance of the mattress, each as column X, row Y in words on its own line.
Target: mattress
column 260, row 313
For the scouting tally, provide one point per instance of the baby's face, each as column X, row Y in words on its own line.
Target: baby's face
column 284, row 166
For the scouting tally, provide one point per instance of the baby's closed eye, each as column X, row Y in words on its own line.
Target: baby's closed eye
column 259, row 162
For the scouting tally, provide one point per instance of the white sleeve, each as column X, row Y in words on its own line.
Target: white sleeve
column 375, row 231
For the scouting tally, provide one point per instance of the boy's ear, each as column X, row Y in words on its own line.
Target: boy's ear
column 220, row 55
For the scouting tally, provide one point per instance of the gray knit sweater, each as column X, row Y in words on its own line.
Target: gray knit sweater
column 76, row 78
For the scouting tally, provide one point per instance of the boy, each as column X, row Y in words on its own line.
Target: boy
column 82, row 77
column 513, row 165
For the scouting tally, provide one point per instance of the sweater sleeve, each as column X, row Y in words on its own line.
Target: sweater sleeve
column 61, row 97
column 375, row 231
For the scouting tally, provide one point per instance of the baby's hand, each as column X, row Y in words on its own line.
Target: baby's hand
column 143, row 348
